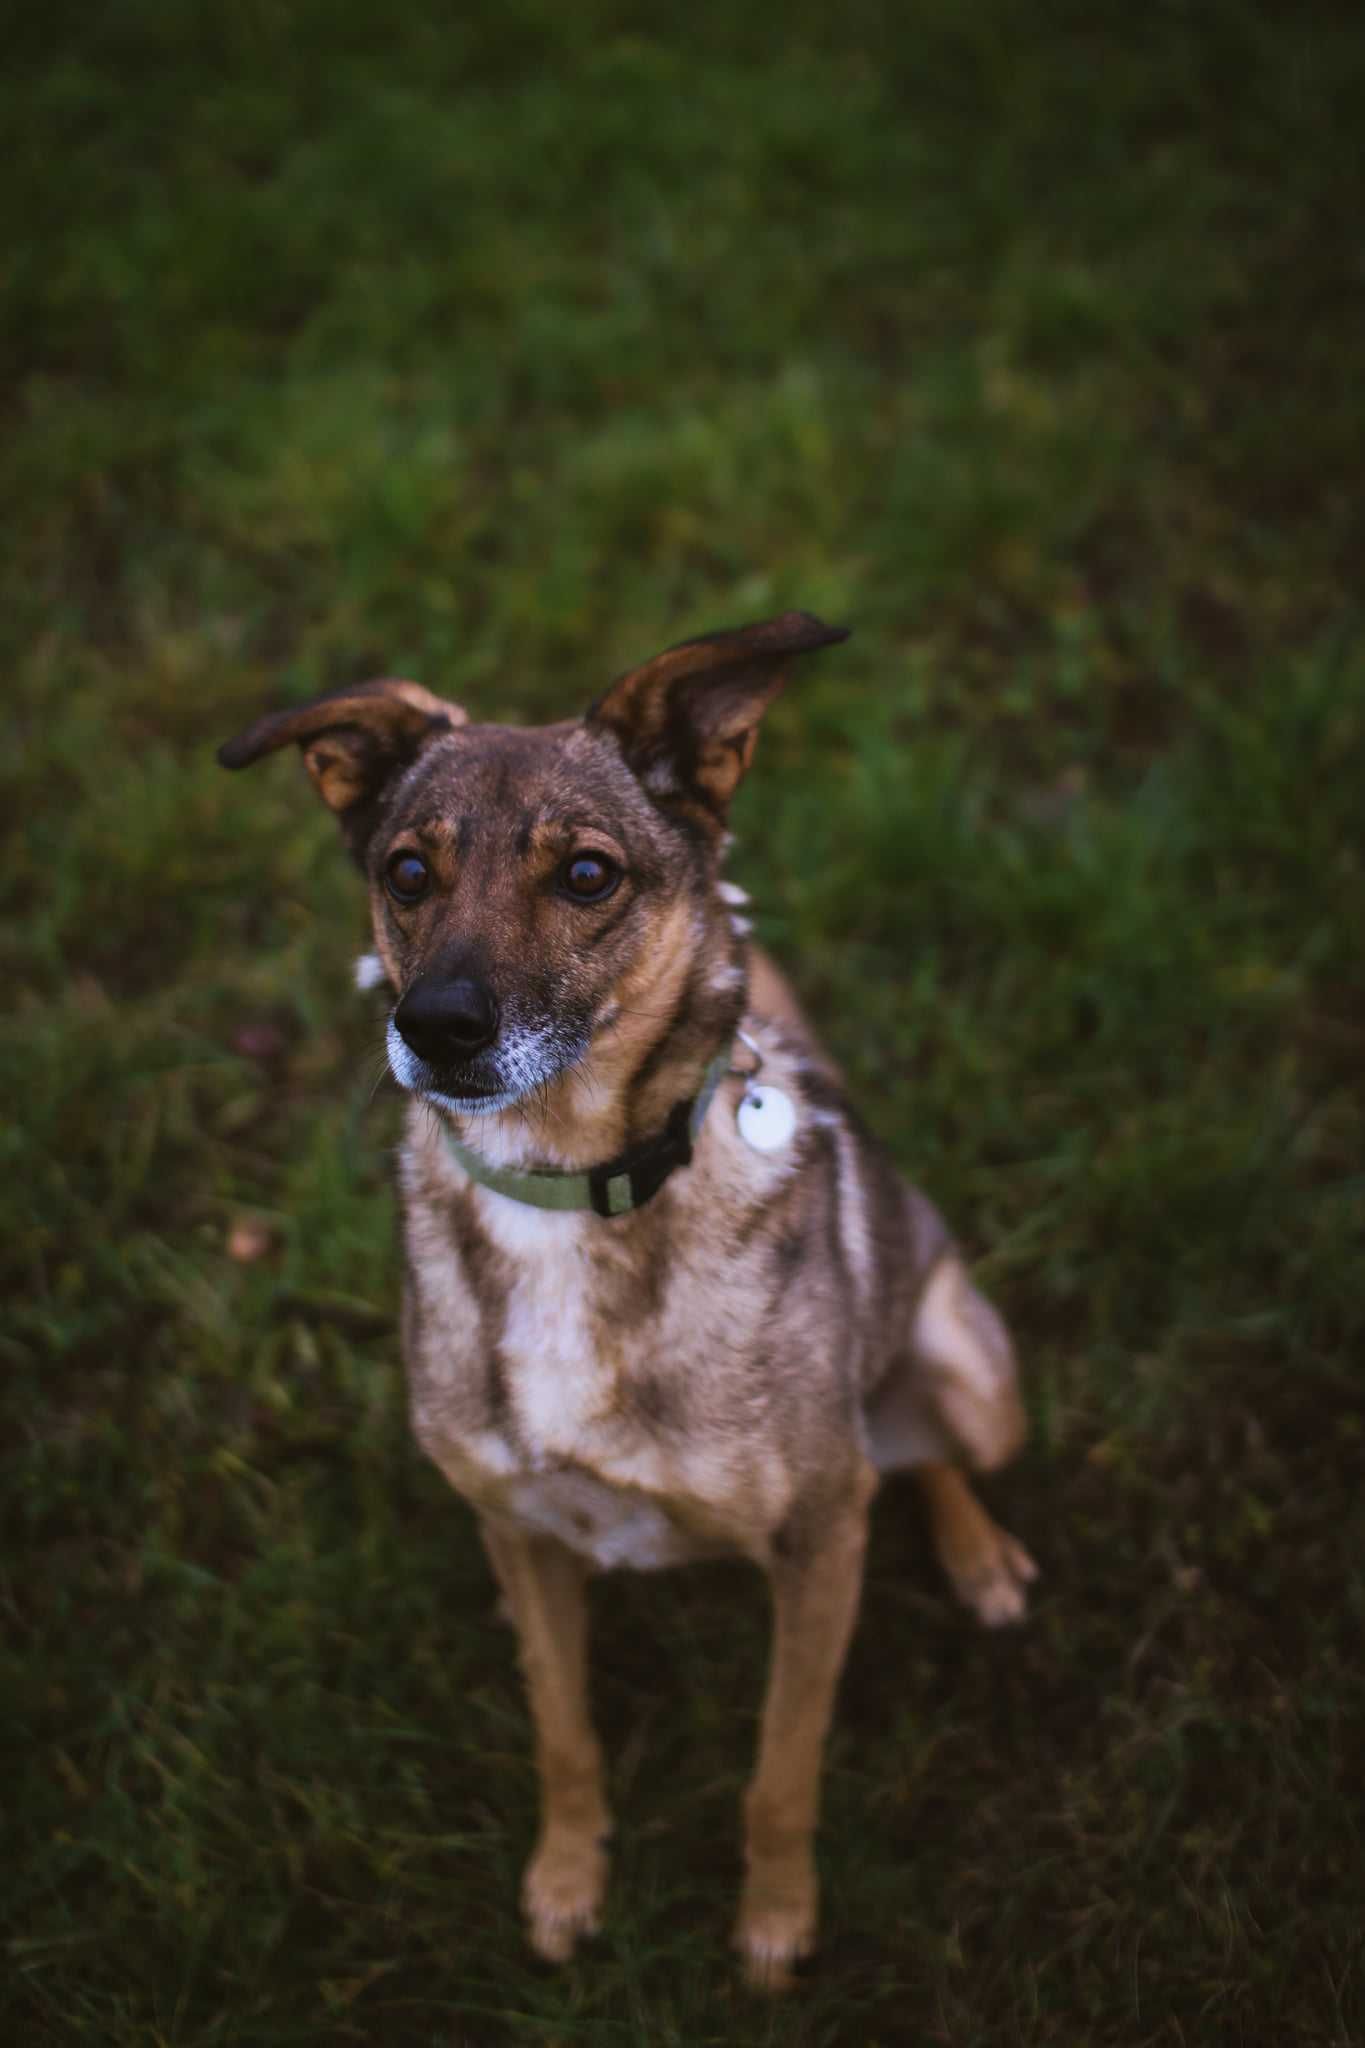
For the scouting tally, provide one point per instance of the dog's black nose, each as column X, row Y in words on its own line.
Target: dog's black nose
column 445, row 1021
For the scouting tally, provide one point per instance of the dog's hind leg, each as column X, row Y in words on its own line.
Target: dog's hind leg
column 986, row 1566
column 816, row 1576
column 544, row 1586
column 965, row 1363
column 955, row 1395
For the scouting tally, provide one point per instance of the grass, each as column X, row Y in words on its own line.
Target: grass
column 500, row 347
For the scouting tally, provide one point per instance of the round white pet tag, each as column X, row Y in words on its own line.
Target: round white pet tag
column 766, row 1119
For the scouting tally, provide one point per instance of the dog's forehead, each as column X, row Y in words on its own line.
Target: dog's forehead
column 526, row 775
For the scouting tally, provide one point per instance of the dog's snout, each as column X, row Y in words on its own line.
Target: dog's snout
column 447, row 1020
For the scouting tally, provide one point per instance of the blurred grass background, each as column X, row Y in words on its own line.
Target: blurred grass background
column 502, row 346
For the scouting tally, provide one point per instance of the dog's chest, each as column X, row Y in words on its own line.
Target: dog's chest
column 566, row 1366
column 557, row 1389
column 609, row 1525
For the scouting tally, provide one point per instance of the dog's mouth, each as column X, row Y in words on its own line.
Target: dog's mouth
column 523, row 1062
column 467, row 1096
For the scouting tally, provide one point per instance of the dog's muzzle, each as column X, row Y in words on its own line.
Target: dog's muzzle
column 451, row 1042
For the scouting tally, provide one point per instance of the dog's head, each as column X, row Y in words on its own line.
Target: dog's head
column 541, row 892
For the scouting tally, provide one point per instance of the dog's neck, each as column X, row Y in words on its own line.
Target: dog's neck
column 650, row 1053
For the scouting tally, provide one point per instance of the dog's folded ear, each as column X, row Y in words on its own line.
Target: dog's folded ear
column 687, row 721
column 353, row 741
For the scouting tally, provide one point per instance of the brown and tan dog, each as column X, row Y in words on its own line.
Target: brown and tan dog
column 664, row 1297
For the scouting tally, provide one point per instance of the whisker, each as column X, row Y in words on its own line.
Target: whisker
column 381, row 1069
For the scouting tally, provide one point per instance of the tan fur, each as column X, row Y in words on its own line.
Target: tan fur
column 728, row 1367
column 988, row 1568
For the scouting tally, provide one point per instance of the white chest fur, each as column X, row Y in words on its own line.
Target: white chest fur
column 568, row 1461
column 611, row 1525
column 562, row 1383
column 566, row 1445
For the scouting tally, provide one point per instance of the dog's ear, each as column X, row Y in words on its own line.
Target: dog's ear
column 353, row 741
column 687, row 721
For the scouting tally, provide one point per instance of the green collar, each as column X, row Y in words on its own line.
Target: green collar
column 622, row 1184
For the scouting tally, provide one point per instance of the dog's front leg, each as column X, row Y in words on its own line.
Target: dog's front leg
column 816, row 1575
column 544, row 1585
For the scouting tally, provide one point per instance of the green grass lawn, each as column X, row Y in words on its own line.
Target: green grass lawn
column 500, row 347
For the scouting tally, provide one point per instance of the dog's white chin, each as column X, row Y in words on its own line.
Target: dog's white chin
column 472, row 1105
column 536, row 1061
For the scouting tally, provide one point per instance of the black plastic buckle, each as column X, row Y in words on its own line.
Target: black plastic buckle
column 635, row 1177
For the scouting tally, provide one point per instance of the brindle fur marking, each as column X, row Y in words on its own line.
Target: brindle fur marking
column 725, row 1369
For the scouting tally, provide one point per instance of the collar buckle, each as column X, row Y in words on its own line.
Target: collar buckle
column 634, row 1177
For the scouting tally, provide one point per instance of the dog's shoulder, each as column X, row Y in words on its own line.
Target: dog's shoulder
column 854, row 1234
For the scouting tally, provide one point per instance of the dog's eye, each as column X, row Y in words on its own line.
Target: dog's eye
column 589, row 877
column 406, row 877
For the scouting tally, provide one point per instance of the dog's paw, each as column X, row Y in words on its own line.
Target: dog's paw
column 994, row 1582
column 776, row 1926
column 562, row 1893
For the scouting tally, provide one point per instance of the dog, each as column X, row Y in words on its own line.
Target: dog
column 664, row 1298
